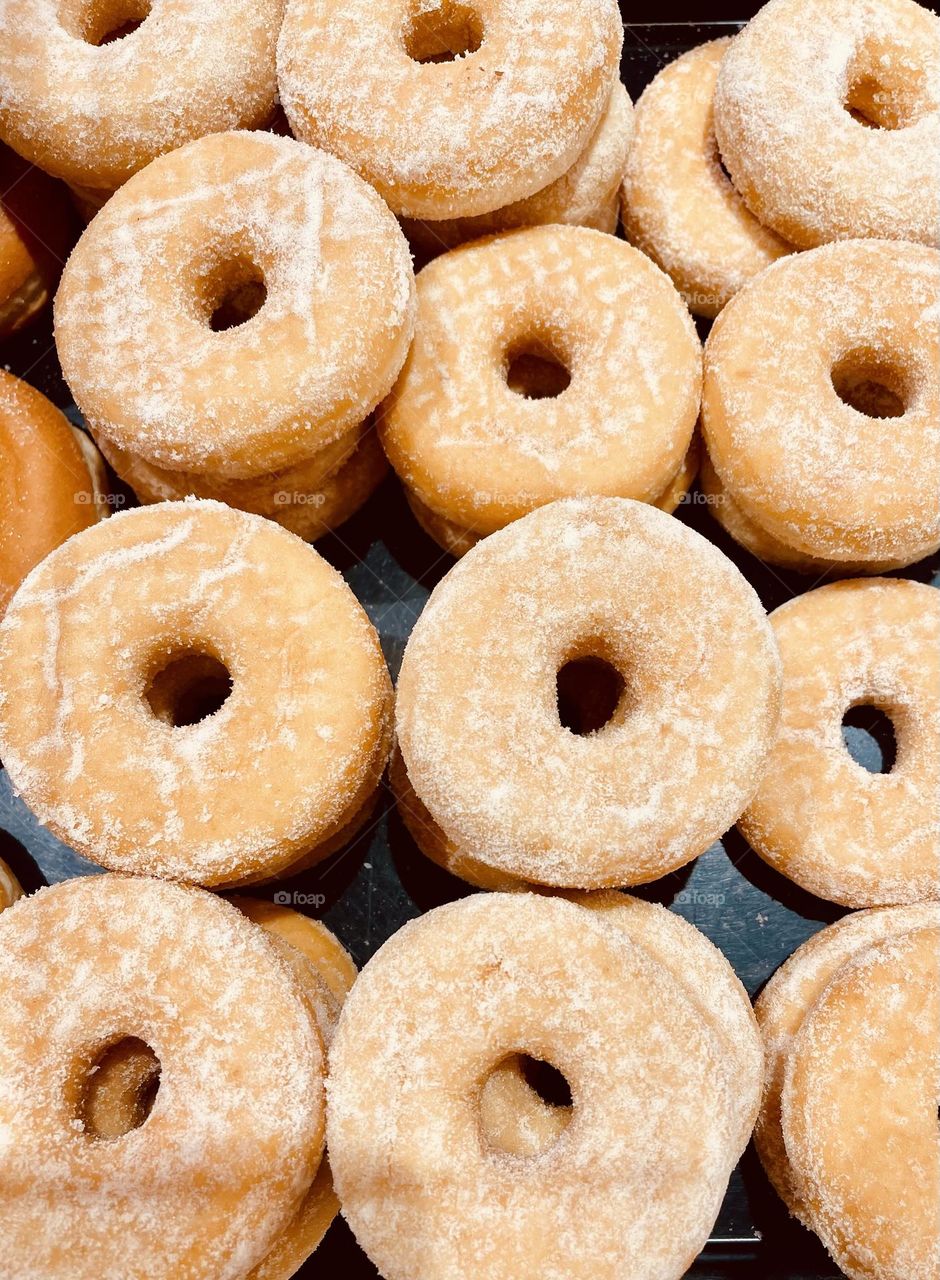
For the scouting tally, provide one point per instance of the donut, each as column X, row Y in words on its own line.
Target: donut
column 91, row 100
column 679, row 206
column 587, row 195
column 35, row 238
column 858, row 838
column 802, row 369
column 194, row 647
column 207, row 1185
column 827, row 114
column 787, row 999
column 47, row 491
column 860, row 1111
column 172, row 255
column 639, row 1171
column 640, row 605
column 525, row 385
column 10, row 888
column 449, row 109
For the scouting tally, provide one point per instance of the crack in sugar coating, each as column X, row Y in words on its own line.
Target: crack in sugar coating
column 456, row 139
column 804, row 166
column 678, row 205
column 862, row 839
column 477, row 719
column 639, row 1171
column 817, row 474
column 133, row 310
column 94, row 116
column 479, row 454
column 310, row 698
column 208, row 1183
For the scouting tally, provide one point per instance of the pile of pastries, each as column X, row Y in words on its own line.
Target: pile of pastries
column 549, row 1078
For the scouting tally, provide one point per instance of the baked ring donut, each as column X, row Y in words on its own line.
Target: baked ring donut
column 858, row 838
column 459, row 990
column 47, row 491
column 93, row 110
column 787, row 999
column 230, row 628
column 795, row 93
column 801, row 370
column 475, row 428
column 622, row 584
column 860, row 1111
column 450, row 109
column 170, row 254
column 36, row 234
column 679, row 206
column 206, row 1186
column 586, row 196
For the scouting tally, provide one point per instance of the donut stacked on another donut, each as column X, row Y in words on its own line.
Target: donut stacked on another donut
column 220, row 709
column 637, row 1011
column 548, row 362
column 821, row 406
column 848, row 1125
column 230, row 321
column 658, row 627
column 224, row 1157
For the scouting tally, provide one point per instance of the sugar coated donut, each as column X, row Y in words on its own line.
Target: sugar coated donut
column 181, row 649
column 801, row 370
column 605, row 583
column 859, row 838
column 639, row 1171
column 206, row 1186
column 827, row 114
column 10, row 888
column 93, row 108
column 860, row 1111
column 679, row 206
column 524, row 383
column 47, row 491
column 172, row 255
column 787, row 999
column 587, row 195
column 35, row 237
column 450, row 109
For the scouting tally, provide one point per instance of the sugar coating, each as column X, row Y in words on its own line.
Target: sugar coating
column 209, row 1182
column 309, row 707
column 479, row 454
column 637, row 1174
column 456, row 139
column 95, row 115
column 133, row 309
column 817, row 474
column 804, row 166
column 678, row 205
column 477, row 718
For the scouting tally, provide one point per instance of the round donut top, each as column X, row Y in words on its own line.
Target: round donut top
column 135, row 309
column 88, row 724
column 534, row 974
column 799, row 458
column 95, row 113
column 678, row 204
column 209, row 1181
column 450, row 139
column 477, row 716
column 804, row 163
column 480, row 453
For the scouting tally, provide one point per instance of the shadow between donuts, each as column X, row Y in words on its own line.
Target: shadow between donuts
column 775, row 886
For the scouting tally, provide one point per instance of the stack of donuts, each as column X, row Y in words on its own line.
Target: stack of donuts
column 547, row 1078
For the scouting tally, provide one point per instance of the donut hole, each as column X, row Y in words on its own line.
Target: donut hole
column 869, row 737
column 539, row 1101
column 545, row 1080
column 537, row 369
column 188, row 688
column 103, row 22
column 871, row 384
column 589, row 692
column 231, row 292
column 449, row 32
column 119, row 1089
column 884, row 89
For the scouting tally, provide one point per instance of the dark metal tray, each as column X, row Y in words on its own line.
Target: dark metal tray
column 369, row 890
